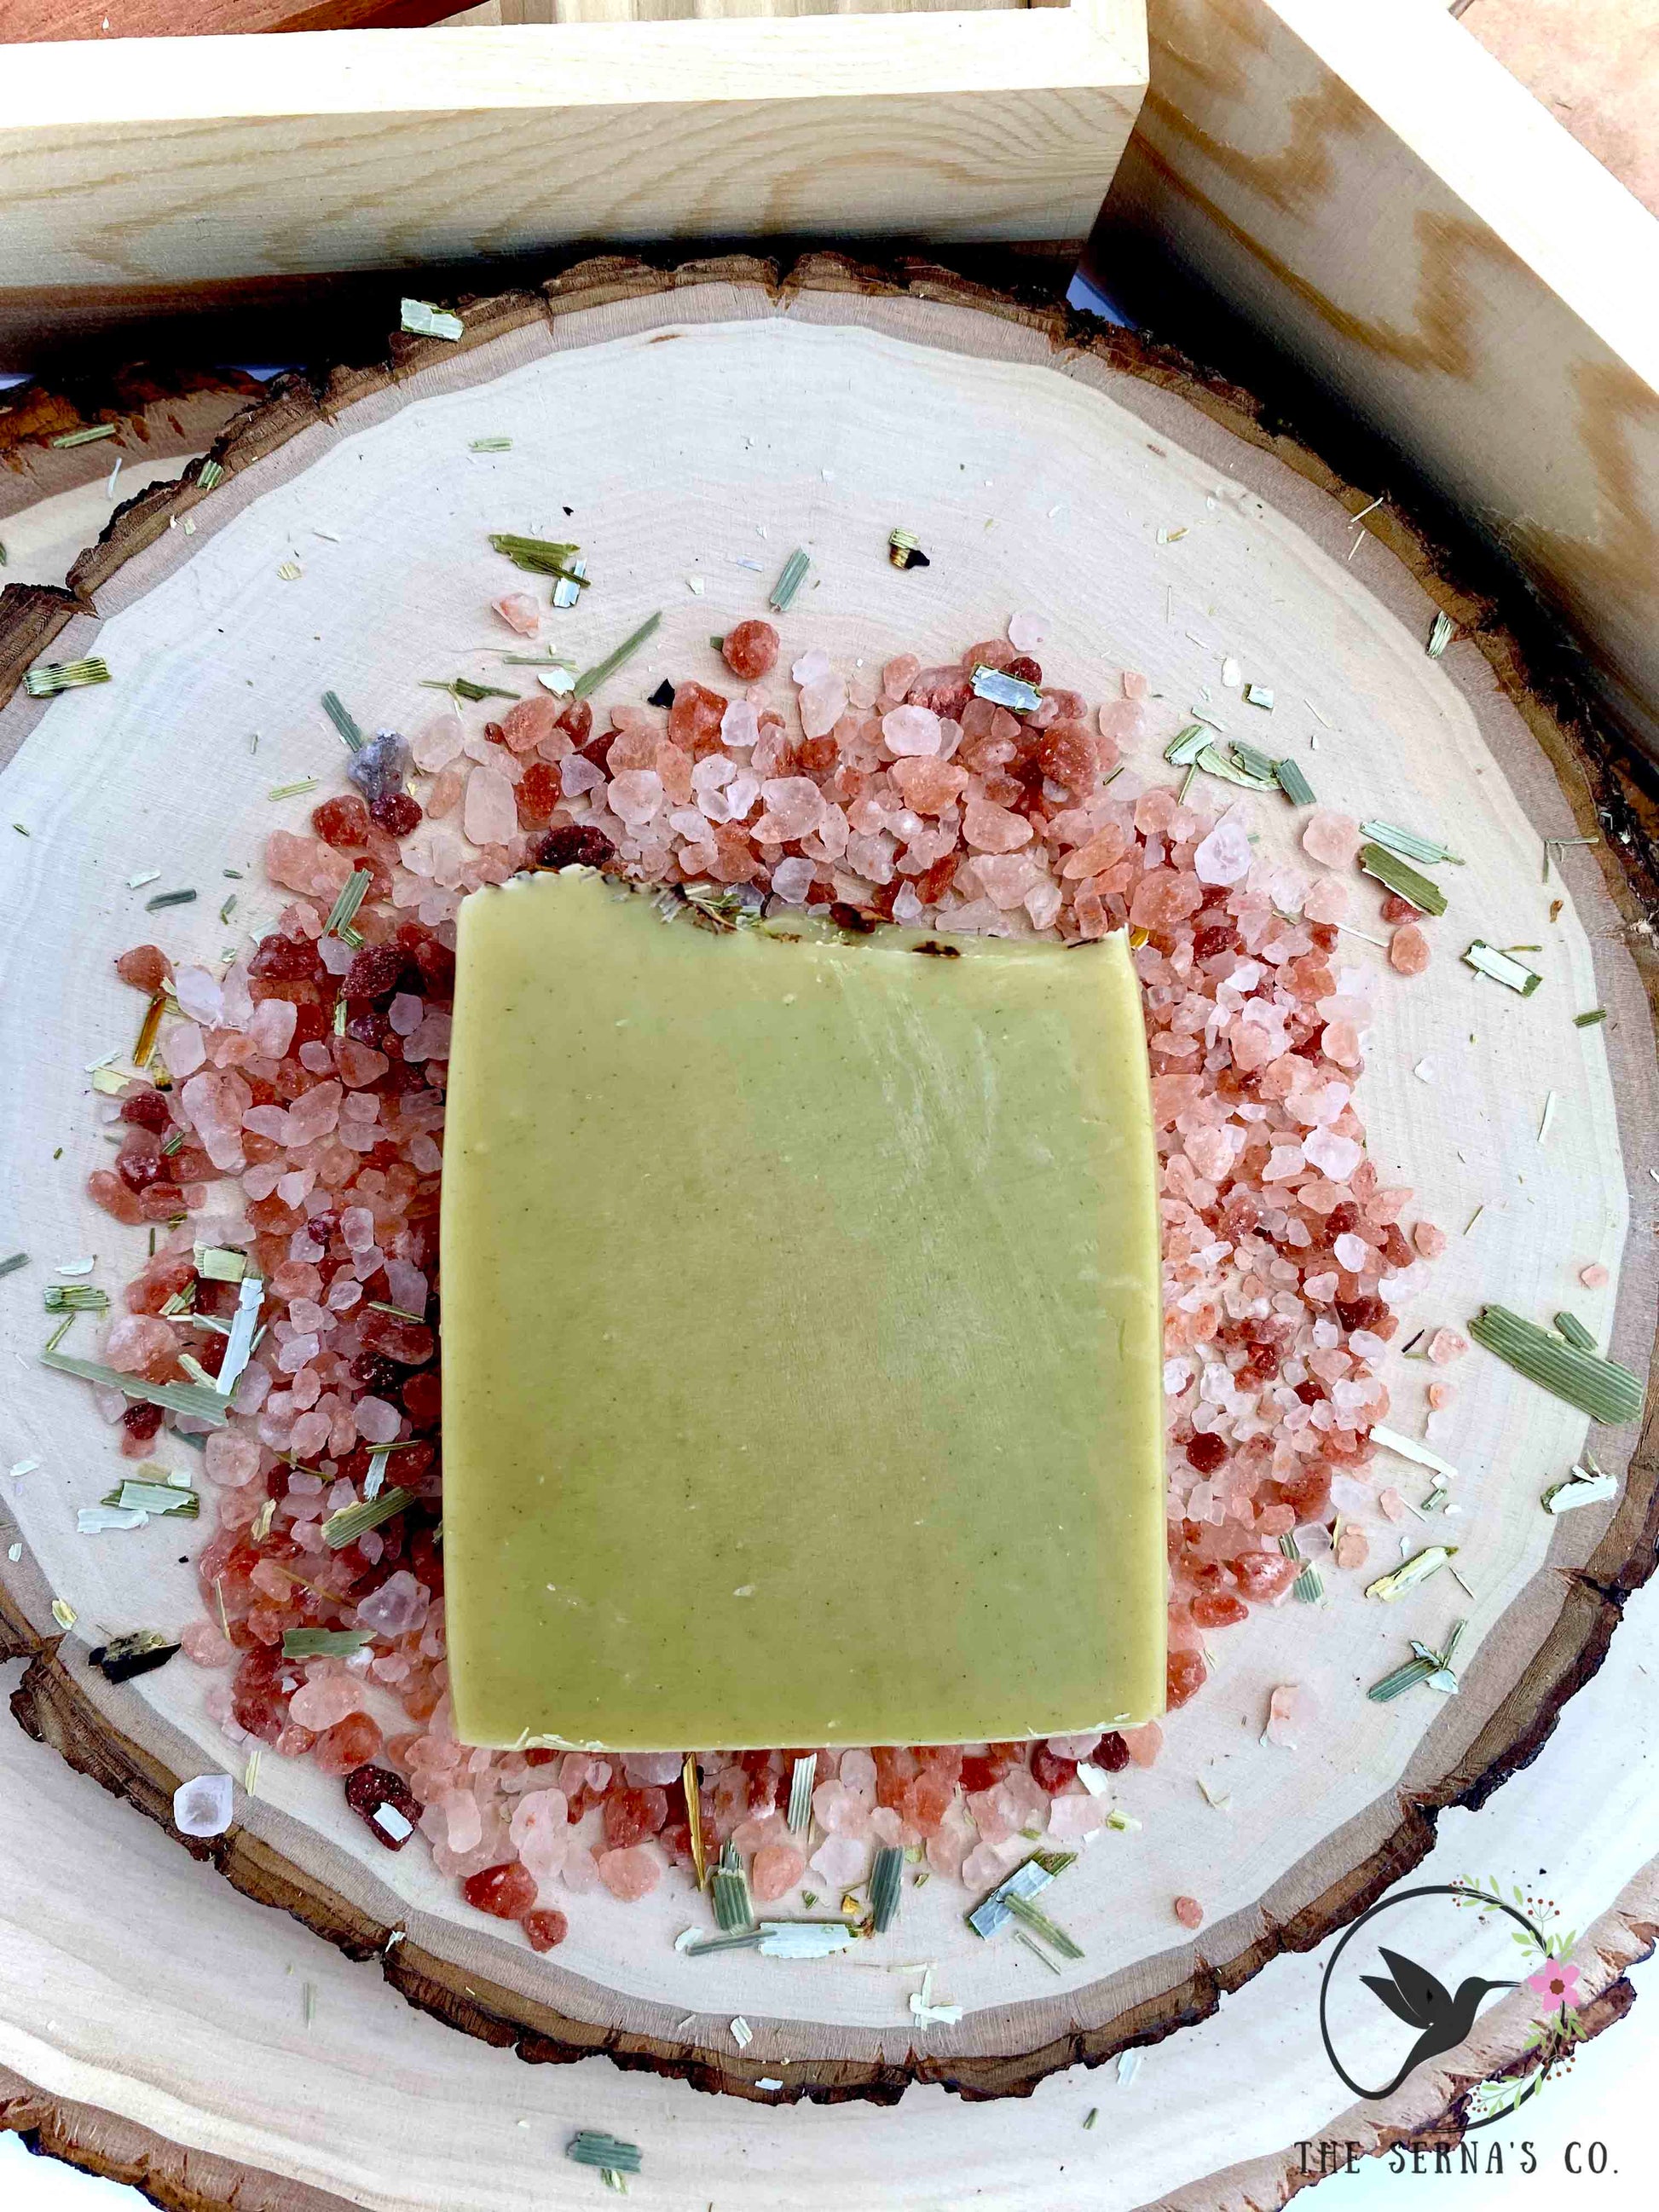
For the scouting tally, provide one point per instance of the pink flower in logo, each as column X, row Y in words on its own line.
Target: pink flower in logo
column 1557, row 1983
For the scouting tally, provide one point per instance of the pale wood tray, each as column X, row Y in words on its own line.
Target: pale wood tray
column 837, row 403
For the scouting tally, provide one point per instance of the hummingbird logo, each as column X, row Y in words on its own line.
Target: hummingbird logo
column 1415, row 1996
column 1440, row 2017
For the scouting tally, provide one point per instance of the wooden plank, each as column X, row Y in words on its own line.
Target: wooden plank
column 1595, row 64
column 1371, row 191
column 132, row 169
column 26, row 22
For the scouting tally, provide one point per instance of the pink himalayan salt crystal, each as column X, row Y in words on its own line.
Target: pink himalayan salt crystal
column 945, row 1849
column 1290, row 1709
column 1429, row 1241
column 1103, row 850
column 794, row 808
column 1445, row 1345
column 912, row 730
column 1440, row 1395
column 989, row 828
column 823, row 703
column 1594, row 1276
column 987, row 1863
column 840, row 1861
column 136, row 1341
column 204, row 1641
column 232, row 1458
column 1408, row 950
column 1353, row 1546
column 1135, row 685
column 628, row 1874
column 184, row 1049
column 437, row 743
column 518, row 611
column 1072, row 1818
column 775, row 1870
column 898, row 675
column 1189, row 1912
column 1027, row 633
column 636, row 795
column 635, row 742
column 540, row 1832
column 305, row 864
column 1122, row 721
column 490, row 813
column 1074, row 1746
column 927, row 785
column 533, row 725
column 581, row 1872
column 1331, row 837
column 1006, row 878
column 1330, row 1154
column 1224, row 857
column 1328, row 901
column 1392, row 1505
column 319, row 1703
column 463, row 1820
column 1143, row 1743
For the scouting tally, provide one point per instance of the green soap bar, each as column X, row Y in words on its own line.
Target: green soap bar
column 801, row 1333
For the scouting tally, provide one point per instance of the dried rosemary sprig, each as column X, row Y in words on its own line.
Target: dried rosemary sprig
column 1401, row 878
column 1601, row 1388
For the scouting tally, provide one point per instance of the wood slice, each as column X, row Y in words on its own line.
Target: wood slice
column 1038, row 470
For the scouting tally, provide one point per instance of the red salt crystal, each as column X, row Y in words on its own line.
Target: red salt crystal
column 545, row 1928
column 1070, row 757
column 574, row 846
column 1206, row 1451
column 376, row 972
column 529, row 724
column 145, row 1109
column 257, row 1703
column 1395, row 909
column 1049, row 1771
column 285, row 959
column 1114, row 1751
column 397, row 813
column 410, row 1344
column 1024, row 669
column 146, row 967
column 631, row 1816
column 1262, row 1575
column 775, row 1870
column 1189, row 1912
column 539, row 791
column 369, row 1788
column 1218, row 1609
column 750, row 650
column 347, row 1744
column 140, row 1422
column 1185, row 1674
column 508, row 1891
column 1408, row 950
column 342, row 822
column 693, row 720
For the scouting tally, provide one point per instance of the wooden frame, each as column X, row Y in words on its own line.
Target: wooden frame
column 155, row 172
column 1380, row 205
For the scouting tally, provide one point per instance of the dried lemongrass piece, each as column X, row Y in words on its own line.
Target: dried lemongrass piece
column 1608, row 1392
column 802, row 1777
column 1294, row 785
column 1005, row 690
column 590, row 2147
column 1410, row 1572
column 1441, row 633
column 886, row 1881
column 1040, row 1924
column 804, row 1939
column 728, row 1892
column 1583, row 1486
column 156, row 1498
column 1408, row 1448
column 1408, row 845
column 325, row 1643
column 1569, row 1326
column 57, row 676
column 591, row 678
column 176, row 1397
column 351, row 1521
column 1401, row 878
column 1503, row 968
column 428, row 321
column 353, row 892
column 793, row 575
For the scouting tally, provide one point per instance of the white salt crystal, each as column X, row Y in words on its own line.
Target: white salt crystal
column 202, row 1806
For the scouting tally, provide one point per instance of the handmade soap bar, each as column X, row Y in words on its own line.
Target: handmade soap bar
column 801, row 1334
